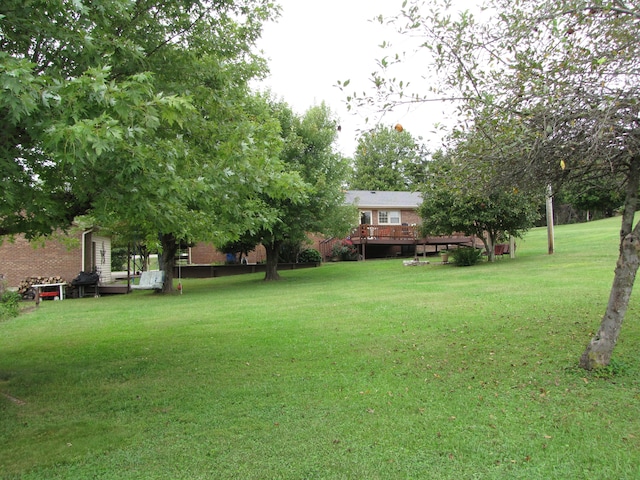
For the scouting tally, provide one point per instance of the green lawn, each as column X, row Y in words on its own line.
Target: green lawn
column 367, row 370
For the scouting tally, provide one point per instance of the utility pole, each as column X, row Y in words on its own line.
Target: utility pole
column 550, row 237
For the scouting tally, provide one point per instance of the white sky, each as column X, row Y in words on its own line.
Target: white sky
column 315, row 43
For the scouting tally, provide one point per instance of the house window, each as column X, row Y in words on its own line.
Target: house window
column 389, row 217
column 365, row 218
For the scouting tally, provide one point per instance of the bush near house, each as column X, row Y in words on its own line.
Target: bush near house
column 310, row 255
column 345, row 251
column 9, row 304
column 119, row 257
column 466, row 256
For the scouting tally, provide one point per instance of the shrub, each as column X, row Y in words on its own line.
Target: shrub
column 345, row 250
column 9, row 305
column 119, row 258
column 310, row 255
column 466, row 256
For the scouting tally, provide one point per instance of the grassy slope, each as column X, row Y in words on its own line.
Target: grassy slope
column 353, row 370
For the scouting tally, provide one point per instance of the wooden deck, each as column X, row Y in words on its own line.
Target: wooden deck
column 384, row 234
column 405, row 235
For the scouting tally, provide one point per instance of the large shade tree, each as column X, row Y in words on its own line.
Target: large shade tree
column 135, row 112
column 596, row 199
column 231, row 168
column 388, row 158
column 458, row 199
column 308, row 153
column 560, row 81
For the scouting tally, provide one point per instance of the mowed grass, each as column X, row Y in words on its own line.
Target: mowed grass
column 367, row 370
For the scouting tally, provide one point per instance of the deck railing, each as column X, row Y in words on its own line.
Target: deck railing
column 385, row 232
column 403, row 234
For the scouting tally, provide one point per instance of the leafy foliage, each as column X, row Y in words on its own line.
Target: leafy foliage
column 604, row 196
column 119, row 258
column 318, row 204
column 456, row 202
column 466, row 256
column 9, row 304
column 96, row 122
column 388, row 159
column 309, row 255
column 345, row 250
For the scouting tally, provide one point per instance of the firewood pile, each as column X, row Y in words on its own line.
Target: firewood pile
column 26, row 286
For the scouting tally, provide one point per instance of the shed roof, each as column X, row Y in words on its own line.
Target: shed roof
column 382, row 199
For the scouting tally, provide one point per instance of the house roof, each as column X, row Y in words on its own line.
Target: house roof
column 381, row 199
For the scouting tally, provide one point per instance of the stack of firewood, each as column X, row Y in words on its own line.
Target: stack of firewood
column 28, row 283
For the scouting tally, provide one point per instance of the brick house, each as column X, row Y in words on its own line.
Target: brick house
column 387, row 222
column 385, row 208
column 377, row 209
column 388, row 226
column 61, row 255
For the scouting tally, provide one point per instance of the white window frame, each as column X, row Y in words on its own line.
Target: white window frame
column 390, row 215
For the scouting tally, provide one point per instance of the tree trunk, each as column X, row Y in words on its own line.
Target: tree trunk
column 273, row 250
column 167, row 260
column 488, row 239
column 598, row 352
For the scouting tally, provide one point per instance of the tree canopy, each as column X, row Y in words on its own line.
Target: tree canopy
column 308, row 152
column 455, row 204
column 388, row 158
column 139, row 114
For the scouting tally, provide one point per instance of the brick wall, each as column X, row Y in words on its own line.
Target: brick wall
column 206, row 254
column 59, row 256
column 410, row 217
column 21, row 259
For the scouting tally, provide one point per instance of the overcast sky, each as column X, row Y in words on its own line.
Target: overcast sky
column 315, row 43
